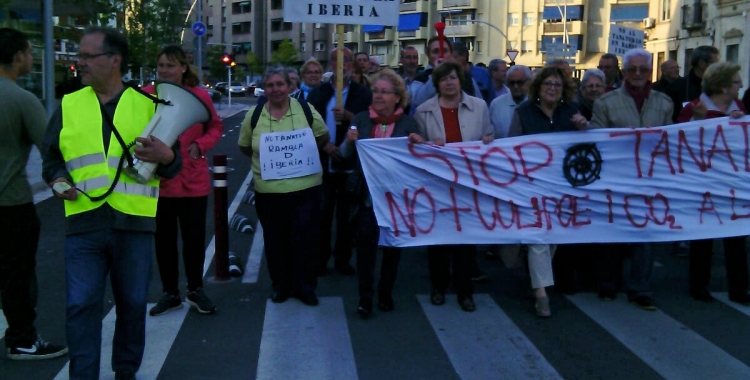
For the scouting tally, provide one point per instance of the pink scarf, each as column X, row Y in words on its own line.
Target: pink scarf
column 383, row 126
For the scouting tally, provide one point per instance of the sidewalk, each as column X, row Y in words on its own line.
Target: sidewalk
column 34, row 166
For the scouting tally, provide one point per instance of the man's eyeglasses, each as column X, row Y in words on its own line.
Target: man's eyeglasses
column 638, row 69
column 382, row 92
column 512, row 83
column 552, row 84
column 89, row 57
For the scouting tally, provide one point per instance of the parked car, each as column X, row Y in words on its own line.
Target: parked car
column 215, row 95
column 251, row 88
column 259, row 91
column 237, row 89
column 221, row 87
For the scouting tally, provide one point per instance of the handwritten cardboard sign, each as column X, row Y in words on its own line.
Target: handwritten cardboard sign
column 681, row 182
column 289, row 154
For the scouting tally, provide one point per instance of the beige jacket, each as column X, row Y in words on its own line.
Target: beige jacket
column 473, row 118
column 617, row 109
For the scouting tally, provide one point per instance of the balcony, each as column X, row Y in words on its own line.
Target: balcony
column 348, row 37
column 457, row 4
column 390, row 60
column 416, row 6
column 571, row 60
column 385, row 35
column 694, row 16
column 469, row 30
column 574, row 27
column 421, row 34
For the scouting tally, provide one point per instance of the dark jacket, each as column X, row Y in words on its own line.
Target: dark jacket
column 403, row 128
column 533, row 120
column 682, row 90
column 662, row 85
column 358, row 99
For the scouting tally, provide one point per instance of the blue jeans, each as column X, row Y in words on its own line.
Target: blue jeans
column 89, row 257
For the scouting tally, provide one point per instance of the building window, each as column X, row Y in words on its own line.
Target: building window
column 528, row 19
column 303, row 46
column 733, row 53
column 241, row 27
column 555, row 14
column 527, row 46
column 479, row 47
column 302, row 28
column 659, row 61
column 628, row 13
column 513, row 19
column 318, row 25
column 278, row 25
column 239, row 8
column 277, row 4
column 666, row 11
column 320, row 46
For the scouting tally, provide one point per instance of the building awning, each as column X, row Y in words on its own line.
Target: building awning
column 411, row 22
column 575, row 41
column 372, row 28
column 574, row 12
column 634, row 13
column 245, row 4
column 236, row 23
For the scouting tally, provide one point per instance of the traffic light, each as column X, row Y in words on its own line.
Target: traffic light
column 226, row 59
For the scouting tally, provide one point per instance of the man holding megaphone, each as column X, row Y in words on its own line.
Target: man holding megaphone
column 109, row 230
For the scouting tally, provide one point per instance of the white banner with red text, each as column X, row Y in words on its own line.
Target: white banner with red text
column 681, row 182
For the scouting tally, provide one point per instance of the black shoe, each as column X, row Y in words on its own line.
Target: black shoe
column 345, row 269
column 743, row 298
column 124, row 375
column 279, row 296
column 467, row 304
column 644, row 302
column 702, row 295
column 437, row 298
column 365, row 307
column 607, row 295
column 38, row 350
column 199, row 300
column 385, row 304
column 167, row 303
column 309, row 299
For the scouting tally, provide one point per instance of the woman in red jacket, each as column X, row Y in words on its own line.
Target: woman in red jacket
column 721, row 85
column 184, row 198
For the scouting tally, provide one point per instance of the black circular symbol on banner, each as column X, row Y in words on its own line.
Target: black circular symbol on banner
column 582, row 164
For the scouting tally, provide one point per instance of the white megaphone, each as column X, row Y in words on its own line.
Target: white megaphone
column 182, row 110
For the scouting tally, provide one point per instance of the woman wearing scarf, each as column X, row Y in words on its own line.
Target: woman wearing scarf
column 384, row 119
column 312, row 74
column 721, row 86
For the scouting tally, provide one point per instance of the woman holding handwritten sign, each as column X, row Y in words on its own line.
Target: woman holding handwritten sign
column 550, row 108
column 453, row 116
column 287, row 177
column 721, row 85
column 384, row 119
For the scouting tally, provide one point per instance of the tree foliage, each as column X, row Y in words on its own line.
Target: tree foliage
column 285, row 55
column 216, row 68
column 254, row 64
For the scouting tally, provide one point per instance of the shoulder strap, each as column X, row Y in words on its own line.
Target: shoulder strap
column 256, row 113
column 306, row 109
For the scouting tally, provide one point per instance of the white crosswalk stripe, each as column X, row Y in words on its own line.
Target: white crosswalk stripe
column 303, row 342
column 474, row 342
column 669, row 347
column 161, row 332
column 724, row 297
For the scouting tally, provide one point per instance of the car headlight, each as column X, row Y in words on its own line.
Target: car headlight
column 244, row 89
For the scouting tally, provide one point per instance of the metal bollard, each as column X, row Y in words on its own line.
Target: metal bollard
column 221, row 224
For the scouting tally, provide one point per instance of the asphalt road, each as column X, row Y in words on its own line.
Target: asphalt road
column 249, row 337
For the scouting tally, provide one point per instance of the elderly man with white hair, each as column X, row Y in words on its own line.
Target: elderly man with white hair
column 633, row 105
column 502, row 107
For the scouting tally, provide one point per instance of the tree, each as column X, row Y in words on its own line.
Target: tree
column 216, row 69
column 254, row 65
column 285, row 55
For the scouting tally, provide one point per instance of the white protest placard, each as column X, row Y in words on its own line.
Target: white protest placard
column 622, row 39
column 353, row 12
column 681, row 182
column 289, row 154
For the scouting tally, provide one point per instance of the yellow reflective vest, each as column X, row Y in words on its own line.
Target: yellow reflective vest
column 93, row 169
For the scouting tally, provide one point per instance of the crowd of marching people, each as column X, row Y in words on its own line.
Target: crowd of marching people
column 115, row 225
column 452, row 100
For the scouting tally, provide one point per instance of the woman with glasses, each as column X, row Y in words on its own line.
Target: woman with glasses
column 183, row 199
column 550, row 108
column 312, row 75
column 448, row 117
column 384, row 119
column 721, row 85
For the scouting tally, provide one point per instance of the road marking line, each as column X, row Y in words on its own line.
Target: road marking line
column 161, row 332
column 211, row 249
column 303, row 342
column 724, row 297
column 252, row 268
column 669, row 347
column 485, row 344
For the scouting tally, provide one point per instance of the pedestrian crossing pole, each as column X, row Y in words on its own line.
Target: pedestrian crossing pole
column 221, row 223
